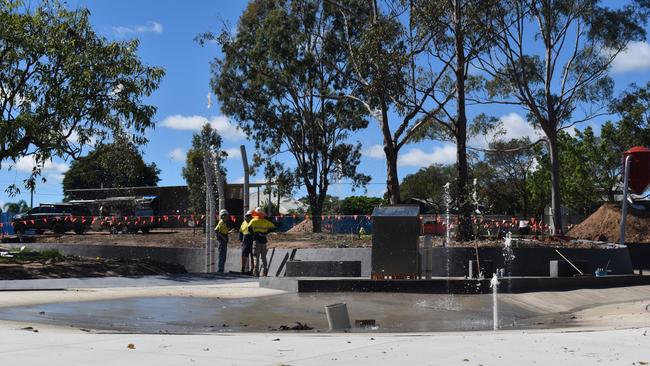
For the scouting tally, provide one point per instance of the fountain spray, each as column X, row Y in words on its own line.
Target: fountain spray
column 494, row 283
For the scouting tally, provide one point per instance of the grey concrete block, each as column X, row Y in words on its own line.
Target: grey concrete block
column 323, row 269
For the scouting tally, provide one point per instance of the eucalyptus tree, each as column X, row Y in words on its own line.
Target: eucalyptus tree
column 277, row 77
column 386, row 65
column 552, row 58
column 456, row 33
column 63, row 86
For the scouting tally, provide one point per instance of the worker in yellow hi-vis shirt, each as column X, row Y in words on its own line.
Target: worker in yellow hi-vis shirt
column 260, row 227
column 246, row 238
column 222, row 237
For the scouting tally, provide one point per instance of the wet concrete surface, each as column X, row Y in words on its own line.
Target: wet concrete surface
column 391, row 312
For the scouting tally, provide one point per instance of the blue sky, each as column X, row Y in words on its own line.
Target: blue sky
column 166, row 30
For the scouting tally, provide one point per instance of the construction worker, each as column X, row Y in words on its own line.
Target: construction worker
column 246, row 238
column 260, row 227
column 222, row 236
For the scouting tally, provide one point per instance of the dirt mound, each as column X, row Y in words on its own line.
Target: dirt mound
column 604, row 225
column 305, row 226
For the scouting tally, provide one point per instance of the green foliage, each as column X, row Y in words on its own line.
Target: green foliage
column 63, row 85
column 115, row 165
column 208, row 139
column 427, row 184
column 278, row 79
column 331, row 206
column 504, row 175
column 16, row 207
column 27, row 255
column 633, row 126
column 359, row 205
column 587, row 177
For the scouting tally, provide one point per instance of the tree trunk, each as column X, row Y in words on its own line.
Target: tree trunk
column 464, row 206
column 524, row 194
column 392, row 180
column 390, row 150
column 317, row 219
column 556, row 203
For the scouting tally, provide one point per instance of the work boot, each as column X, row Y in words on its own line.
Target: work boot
column 265, row 274
column 256, row 273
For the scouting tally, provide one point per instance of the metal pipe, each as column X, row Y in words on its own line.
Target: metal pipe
column 244, row 159
column 568, row 261
column 269, row 208
column 625, row 193
column 221, row 186
column 494, row 283
column 209, row 189
column 207, row 229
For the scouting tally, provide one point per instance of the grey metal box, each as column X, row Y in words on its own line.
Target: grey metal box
column 395, row 233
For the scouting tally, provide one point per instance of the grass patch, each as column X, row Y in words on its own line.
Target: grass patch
column 27, row 255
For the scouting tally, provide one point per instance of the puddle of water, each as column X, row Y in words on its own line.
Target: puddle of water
column 392, row 313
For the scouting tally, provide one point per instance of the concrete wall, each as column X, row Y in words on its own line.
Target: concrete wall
column 194, row 259
column 454, row 262
column 446, row 261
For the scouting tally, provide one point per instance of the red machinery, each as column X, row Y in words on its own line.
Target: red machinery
column 636, row 171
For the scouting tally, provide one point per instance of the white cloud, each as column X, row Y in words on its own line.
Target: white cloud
column 25, row 164
column 375, row 151
column 177, row 154
column 635, row 57
column 233, row 152
column 58, row 178
column 515, row 127
column 150, row 27
column 445, row 154
column 74, row 139
column 194, row 123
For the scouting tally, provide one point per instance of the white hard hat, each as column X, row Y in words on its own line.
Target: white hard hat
column 223, row 212
column 249, row 212
column 259, row 210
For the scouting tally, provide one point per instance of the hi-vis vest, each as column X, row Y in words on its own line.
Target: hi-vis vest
column 260, row 226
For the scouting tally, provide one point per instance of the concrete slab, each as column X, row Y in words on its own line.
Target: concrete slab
column 55, row 347
column 109, row 282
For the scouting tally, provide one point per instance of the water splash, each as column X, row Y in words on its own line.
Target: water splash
column 447, row 197
column 508, row 255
